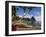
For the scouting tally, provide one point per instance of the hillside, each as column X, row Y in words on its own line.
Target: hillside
column 22, row 23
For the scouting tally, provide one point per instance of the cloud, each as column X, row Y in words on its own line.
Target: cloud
column 38, row 18
column 20, row 16
column 28, row 16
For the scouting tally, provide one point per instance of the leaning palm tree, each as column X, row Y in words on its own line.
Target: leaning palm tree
column 13, row 11
column 27, row 10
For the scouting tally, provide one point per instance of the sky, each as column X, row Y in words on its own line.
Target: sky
column 36, row 12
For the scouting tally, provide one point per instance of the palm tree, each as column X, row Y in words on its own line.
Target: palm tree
column 13, row 11
column 27, row 10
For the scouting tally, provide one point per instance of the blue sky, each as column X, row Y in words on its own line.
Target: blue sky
column 36, row 11
column 20, row 11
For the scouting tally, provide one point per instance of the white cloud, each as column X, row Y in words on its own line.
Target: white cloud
column 20, row 16
column 28, row 16
column 38, row 18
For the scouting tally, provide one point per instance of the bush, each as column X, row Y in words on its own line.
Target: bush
column 13, row 18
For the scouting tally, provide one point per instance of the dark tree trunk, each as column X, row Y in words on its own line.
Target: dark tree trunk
column 13, row 11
